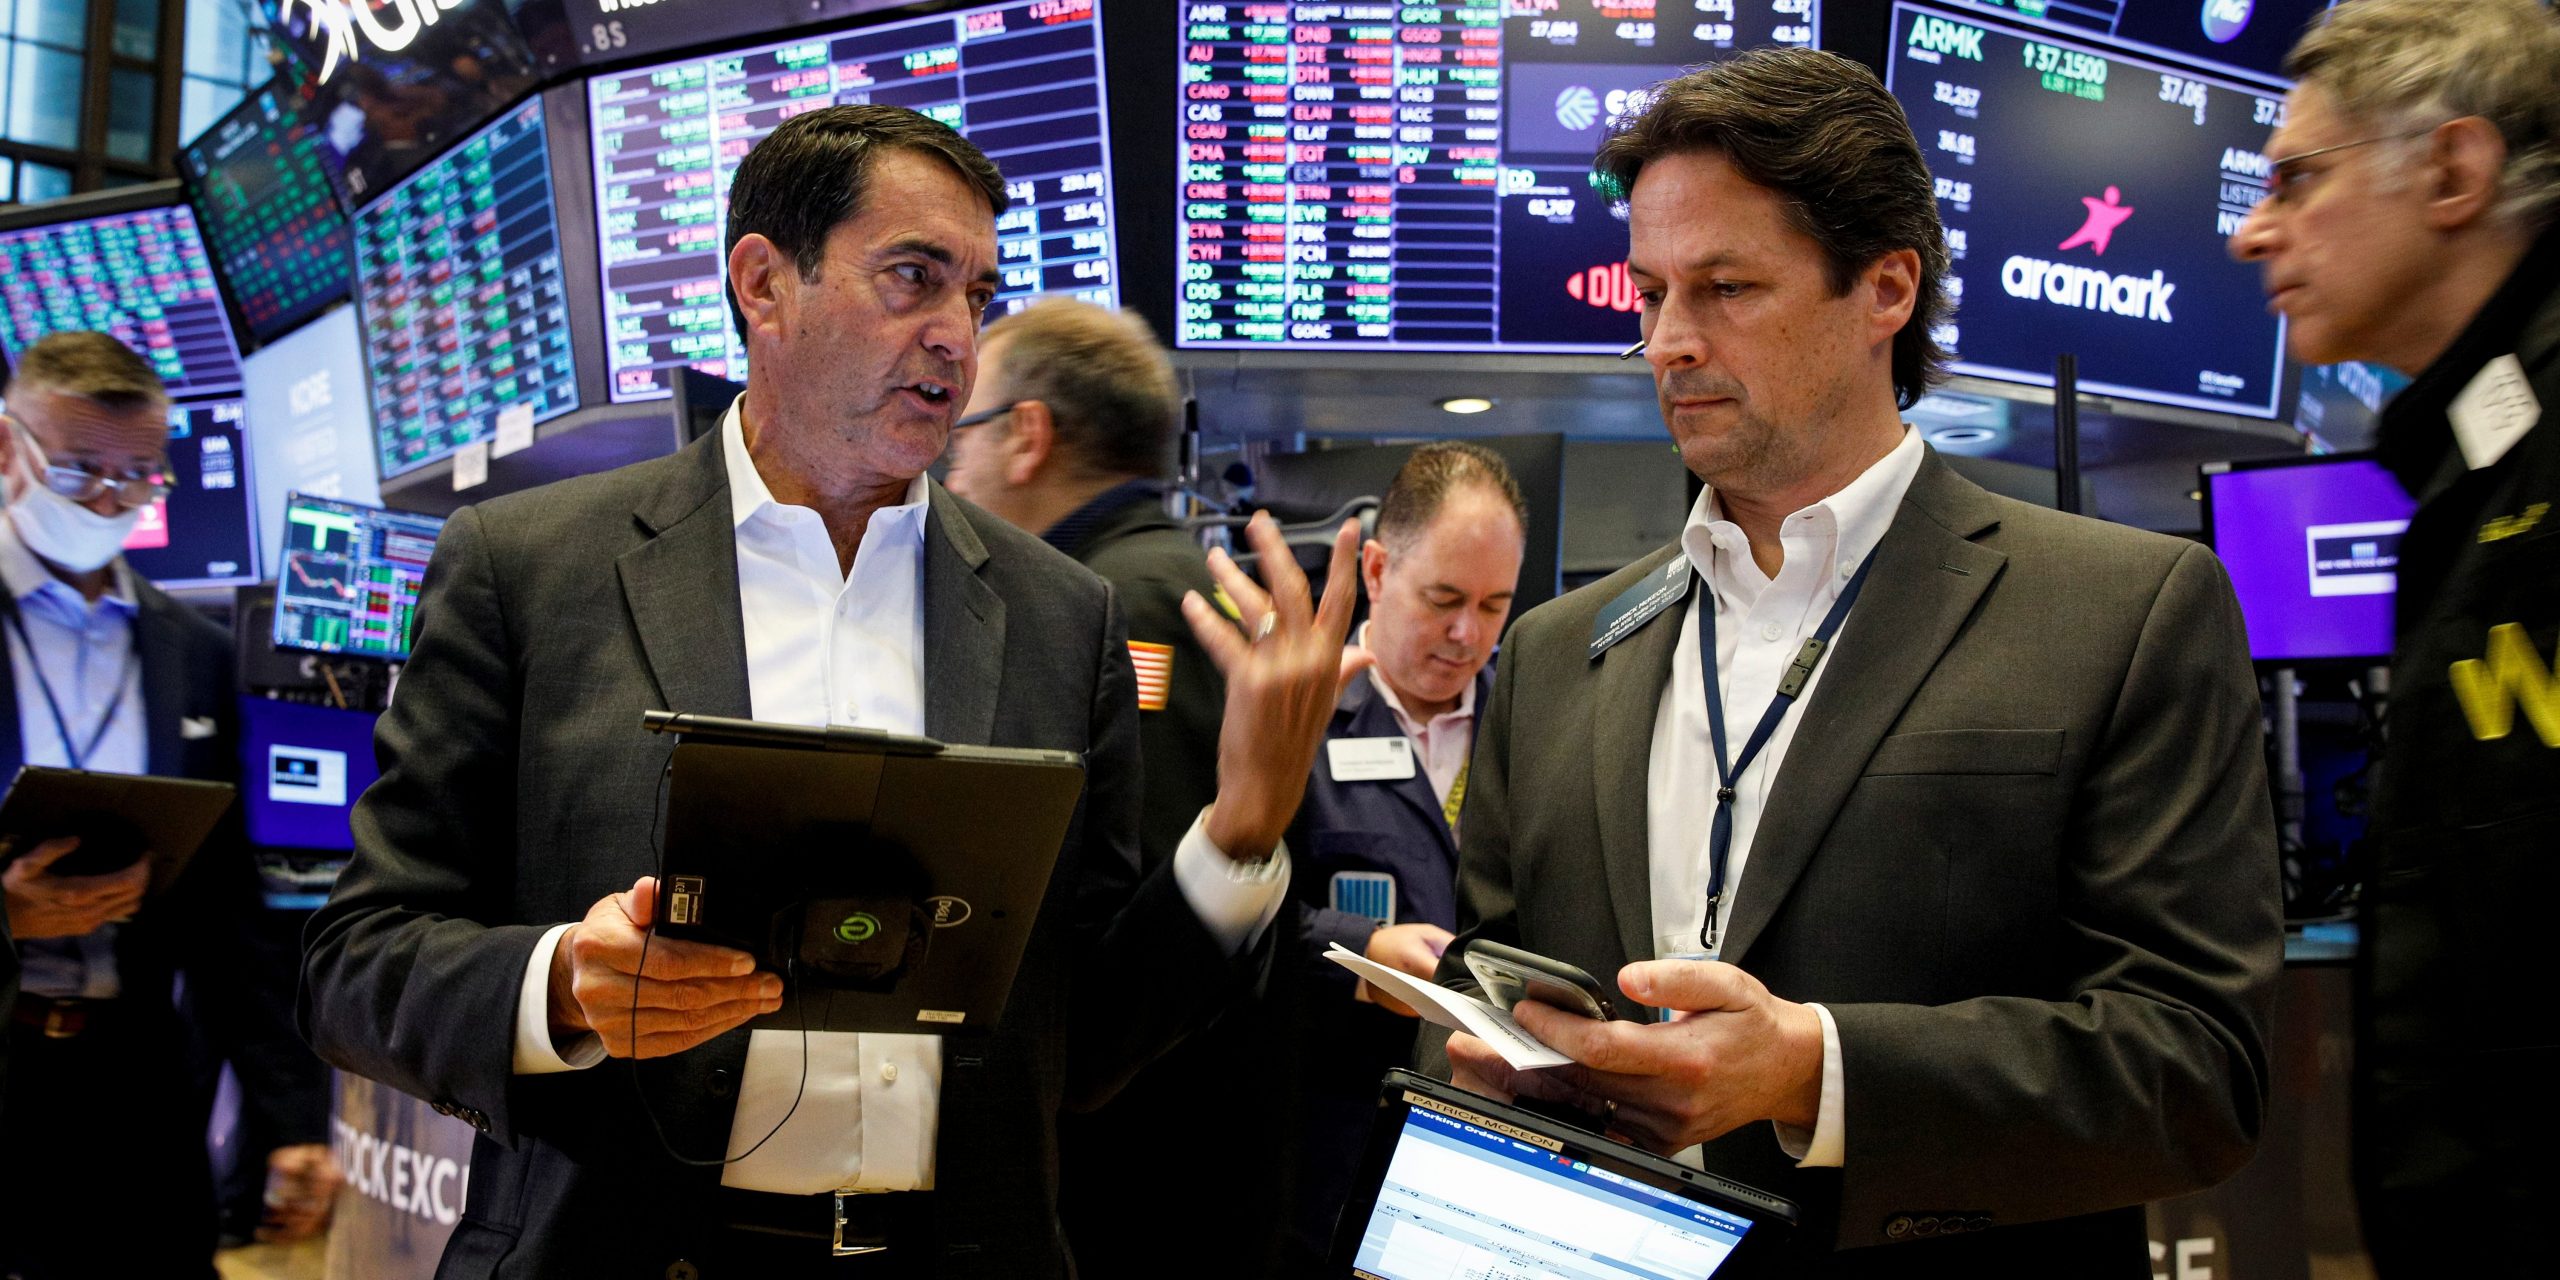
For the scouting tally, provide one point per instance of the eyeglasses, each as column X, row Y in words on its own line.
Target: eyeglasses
column 981, row 418
column 139, row 487
column 2282, row 180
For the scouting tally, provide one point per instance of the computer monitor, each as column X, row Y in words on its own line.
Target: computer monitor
column 2088, row 194
column 310, row 428
column 351, row 577
column 466, row 319
column 2237, row 37
column 265, row 190
column 129, row 263
column 1419, row 177
column 1022, row 80
column 395, row 92
column 2313, row 549
column 302, row 767
column 204, row 534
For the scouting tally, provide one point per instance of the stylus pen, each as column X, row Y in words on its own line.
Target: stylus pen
column 1632, row 352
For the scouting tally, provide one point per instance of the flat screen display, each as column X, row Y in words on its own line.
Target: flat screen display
column 2087, row 195
column 265, row 190
column 1023, row 81
column 466, row 318
column 351, row 577
column 1380, row 176
column 392, row 84
column 312, row 429
column 2241, row 37
column 2313, row 549
column 301, row 769
column 142, row 276
column 205, row 532
column 1460, row 1199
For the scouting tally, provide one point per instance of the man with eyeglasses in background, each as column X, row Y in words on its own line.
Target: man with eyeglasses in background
column 107, row 673
column 2410, row 222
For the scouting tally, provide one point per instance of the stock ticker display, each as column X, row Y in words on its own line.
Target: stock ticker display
column 1363, row 176
column 2087, row 195
column 204, row 533
column 142, row 276
column 1023, row 81
column 350, row 578
column 2244, row 37
column 466, row 320
column 266, row 188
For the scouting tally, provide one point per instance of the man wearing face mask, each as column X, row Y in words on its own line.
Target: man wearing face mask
column 107, row 673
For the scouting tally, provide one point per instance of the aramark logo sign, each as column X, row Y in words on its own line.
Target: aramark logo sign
column 2138, row 297
column 2224, row 20
column 392, row 27
column 1940, row 38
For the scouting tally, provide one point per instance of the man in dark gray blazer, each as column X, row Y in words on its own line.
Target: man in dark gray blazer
column 793, row 565
column 1962, row 937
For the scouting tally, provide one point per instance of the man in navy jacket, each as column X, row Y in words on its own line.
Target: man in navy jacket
column 1376, row 837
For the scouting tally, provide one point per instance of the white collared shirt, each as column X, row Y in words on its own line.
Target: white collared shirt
column 826, row 647
column 1761, row 623
column 1443, row 741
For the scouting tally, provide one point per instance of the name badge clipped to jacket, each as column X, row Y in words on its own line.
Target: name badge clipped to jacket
column 1369, row 759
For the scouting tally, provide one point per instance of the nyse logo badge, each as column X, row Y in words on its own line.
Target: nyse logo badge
column 2088, row 288
column 2224, row 20
column 1577, row 108
column 306, row 775
column 1607, row 287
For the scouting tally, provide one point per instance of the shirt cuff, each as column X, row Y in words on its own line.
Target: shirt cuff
column 535, row 1053
column 1236, row 900
column 1825, row 1147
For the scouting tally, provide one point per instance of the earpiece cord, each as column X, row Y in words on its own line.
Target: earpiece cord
column 792, row 977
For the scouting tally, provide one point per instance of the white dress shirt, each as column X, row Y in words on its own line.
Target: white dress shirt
column 827, row 647
column 1761, row 623
column 1443, row 741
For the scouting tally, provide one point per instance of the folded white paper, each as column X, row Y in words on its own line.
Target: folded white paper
column 1455, row 1010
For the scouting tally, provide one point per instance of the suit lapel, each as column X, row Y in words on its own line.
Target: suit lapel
column 682, row 588
column 1626, row 697
column 1928, row 577
column 164, row 684
column 964, row 623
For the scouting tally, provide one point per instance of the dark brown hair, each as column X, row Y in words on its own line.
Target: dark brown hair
column 1435, row 471
column 1822, row 133
column 811, row 174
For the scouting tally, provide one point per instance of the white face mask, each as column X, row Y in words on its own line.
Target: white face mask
column 62, row 531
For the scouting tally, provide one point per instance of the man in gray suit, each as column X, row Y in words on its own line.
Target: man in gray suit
column 1962, row 936
column 484, row 949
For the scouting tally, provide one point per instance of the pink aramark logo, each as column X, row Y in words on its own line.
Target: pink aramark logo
column 2104, row 217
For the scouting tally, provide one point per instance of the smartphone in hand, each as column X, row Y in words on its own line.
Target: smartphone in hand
column 1509, row 975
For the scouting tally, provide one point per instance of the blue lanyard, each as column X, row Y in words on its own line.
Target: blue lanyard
column 1720, row 837
column 72, row 751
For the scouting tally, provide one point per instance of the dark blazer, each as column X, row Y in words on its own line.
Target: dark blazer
column 517, row 788
column 206, row 924
column 2021, row 848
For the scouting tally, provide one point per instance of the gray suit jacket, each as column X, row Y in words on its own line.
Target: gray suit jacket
column 2021, row 847
column 518, row 788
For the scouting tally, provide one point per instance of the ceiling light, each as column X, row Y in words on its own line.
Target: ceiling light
column 1465, row 404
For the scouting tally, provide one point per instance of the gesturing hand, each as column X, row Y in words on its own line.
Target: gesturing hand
column 1734, row 1054
column 1285, row 664
column 693, row 991
column 43, row 905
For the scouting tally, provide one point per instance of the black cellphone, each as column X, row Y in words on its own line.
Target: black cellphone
column 1509, row 975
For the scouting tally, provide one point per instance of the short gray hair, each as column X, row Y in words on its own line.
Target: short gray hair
column 2409, row 64
column 1108, row 383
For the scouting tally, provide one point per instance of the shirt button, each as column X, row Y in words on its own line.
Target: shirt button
column 1847, row 571
column 1771, row 632
column 888, row 1073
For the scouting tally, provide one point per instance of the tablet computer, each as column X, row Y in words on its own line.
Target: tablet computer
column 892, row 882
column 119, row 818
column 1454, row 1184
